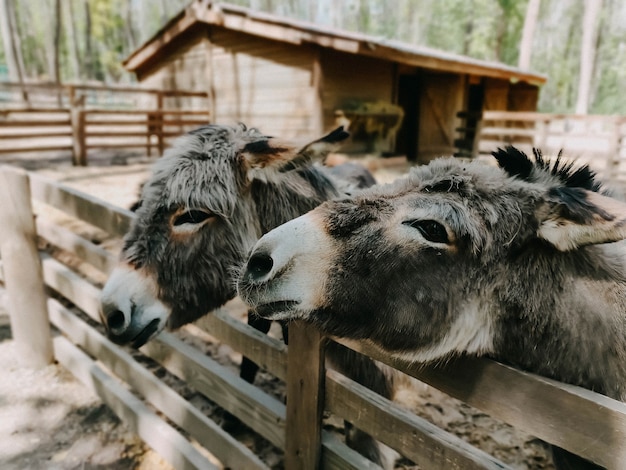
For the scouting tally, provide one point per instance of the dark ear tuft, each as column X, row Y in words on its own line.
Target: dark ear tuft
column 261, row 147
column 317, row 150
column 574, row 204
column 338, row 135
column 514, row 162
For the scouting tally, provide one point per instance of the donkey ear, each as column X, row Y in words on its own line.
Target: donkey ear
column 267, row 153
column 578, row 217
column 318, row 149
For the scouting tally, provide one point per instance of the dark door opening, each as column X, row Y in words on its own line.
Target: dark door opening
column 409, row 87
column 475, row 102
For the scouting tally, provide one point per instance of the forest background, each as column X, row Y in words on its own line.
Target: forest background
column 87, row 40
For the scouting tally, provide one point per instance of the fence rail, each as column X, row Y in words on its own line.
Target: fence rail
column 564, row 415
column 80, row 121
column 599, row 140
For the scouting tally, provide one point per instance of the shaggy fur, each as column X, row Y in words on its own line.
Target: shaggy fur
column 464, row 258
column 209, row 199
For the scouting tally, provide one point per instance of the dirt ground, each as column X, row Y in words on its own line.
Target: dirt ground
column 49, row 420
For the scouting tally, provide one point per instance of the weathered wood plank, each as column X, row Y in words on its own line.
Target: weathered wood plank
column 305, row 392
column 227, row 449
column 85, row 295
column 22, row 270
column 338, row 456
column 36, row 123
column 259, row 411
column 110, row 218
column 38, row 148
column 269, row 353
column 508, row 131
column 414, row 437
column 567, row 416
column 73, row 287
column 163, row 438
column 35, row 135
column 63, row 238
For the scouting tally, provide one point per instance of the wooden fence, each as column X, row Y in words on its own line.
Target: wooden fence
column 87, row 117
column 595, row 139
column 581, row 421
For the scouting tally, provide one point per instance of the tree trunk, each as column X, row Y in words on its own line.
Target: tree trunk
column 89, row 62
column 526, row 44
column 131, row 36
column 587, row 54
column 74, row 53
column 12, row 50
column 56, row 51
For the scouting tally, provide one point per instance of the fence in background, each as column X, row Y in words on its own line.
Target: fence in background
column 595, row 139
column 80, row 118
column 578, row 420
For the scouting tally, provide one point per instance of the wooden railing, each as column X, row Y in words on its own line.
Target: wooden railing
column 596, row 139
column 78, row 122
column 578, row 420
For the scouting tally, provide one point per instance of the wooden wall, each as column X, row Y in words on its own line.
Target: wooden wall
column 182, row 65
column 263, row 83
column 348, row 78
column 293, row 92
column 442, row 97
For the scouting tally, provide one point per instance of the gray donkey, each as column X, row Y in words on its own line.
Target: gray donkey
column 209, row 199
column 463, row 258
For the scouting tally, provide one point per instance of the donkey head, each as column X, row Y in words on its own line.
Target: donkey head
column 198, row 218
column 424, row 266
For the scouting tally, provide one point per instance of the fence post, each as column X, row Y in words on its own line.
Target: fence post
column 77, row 118
column 305, row 397
column 159, row 123
column 23, row 277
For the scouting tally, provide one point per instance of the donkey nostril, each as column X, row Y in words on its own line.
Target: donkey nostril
column 259, row 265
column 115, row 320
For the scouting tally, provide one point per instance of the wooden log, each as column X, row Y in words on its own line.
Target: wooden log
column 22, row 270
column 305, row 397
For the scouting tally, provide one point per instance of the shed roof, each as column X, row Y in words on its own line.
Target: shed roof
column 297, row 32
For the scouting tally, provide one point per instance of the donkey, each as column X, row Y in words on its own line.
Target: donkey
column 209, row 199
column 515, row 262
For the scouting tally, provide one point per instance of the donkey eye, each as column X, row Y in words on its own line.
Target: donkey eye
column 192, row 217
column 432, row 230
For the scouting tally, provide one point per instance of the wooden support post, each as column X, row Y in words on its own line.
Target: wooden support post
column 542, row 135
column 22, row 270
column 159, row 124
column 77, row 118
column 613, row 153
column 305, row 397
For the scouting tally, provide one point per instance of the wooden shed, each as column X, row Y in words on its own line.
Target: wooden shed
column 297, row 80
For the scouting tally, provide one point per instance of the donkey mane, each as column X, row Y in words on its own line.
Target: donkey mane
column 517, row 163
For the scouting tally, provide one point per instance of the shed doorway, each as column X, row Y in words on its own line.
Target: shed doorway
column 409, row 87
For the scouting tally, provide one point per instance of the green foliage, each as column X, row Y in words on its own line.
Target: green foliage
column 484, row 29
